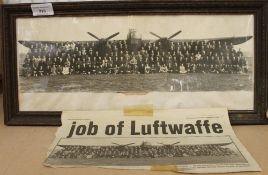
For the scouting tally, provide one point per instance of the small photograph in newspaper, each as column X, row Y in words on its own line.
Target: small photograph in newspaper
column 191, row 140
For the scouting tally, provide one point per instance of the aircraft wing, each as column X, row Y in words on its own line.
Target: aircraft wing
column 234, row 40
column 29, row 43
column 32, row 42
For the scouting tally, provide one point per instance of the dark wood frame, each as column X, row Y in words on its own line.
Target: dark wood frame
column 259, row 8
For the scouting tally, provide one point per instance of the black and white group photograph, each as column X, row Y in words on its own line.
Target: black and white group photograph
column 143, row 152
column 141, row 54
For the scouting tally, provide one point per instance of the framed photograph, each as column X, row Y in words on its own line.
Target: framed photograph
column 107, row 55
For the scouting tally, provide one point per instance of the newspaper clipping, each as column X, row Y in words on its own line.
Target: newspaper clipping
column 191, row 140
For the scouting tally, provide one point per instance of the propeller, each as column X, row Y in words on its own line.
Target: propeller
column 172, row 36
column 161, row 143
column 122, row 145
column 116, row 144
column 175, row 34
column 94, row 36
column 156, row 35
column 113, row 35
column 128, row 144
column 106, row 39
column 175, row 143
column 169, row 144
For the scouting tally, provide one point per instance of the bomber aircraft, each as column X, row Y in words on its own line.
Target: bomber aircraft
column 133, row 42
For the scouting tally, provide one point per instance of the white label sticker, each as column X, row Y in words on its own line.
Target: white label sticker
column 42, row 9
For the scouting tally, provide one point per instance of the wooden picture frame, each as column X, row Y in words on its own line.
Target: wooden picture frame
column 259, row 9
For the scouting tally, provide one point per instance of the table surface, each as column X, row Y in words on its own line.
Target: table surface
column 23, row 150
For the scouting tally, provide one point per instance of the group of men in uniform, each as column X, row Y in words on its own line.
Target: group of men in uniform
column 150, row 151
column 68, row 58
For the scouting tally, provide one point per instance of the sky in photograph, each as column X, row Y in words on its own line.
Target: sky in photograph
column 192, row 27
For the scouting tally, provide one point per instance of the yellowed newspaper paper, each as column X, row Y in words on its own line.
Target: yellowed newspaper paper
column 188, row 140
